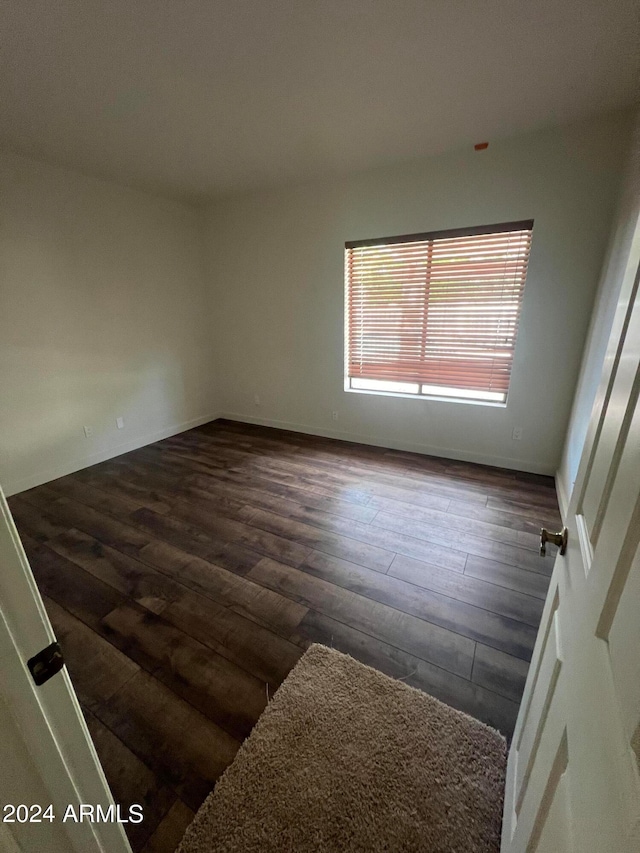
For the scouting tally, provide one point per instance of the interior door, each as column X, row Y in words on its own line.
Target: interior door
column 46, row 754
column 572, row 778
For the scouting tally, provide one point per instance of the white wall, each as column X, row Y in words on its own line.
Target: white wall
column 622, row 233
column 276, row 282
column 105, row 312
column 102, row 314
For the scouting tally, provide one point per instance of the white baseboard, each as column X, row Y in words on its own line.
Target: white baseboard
column 428, row 450
column 563, row 498
column 68, row 467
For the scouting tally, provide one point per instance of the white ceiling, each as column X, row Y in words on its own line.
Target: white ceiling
column 206, row 97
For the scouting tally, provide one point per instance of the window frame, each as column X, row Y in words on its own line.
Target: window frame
column 470, row 231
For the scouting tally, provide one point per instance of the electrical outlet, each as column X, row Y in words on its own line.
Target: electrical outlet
column 334, row 416
column 88, row 431
column 516, row 435
column 120, row 422
column 256, row 399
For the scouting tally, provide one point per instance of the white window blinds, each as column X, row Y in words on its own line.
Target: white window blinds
column 437, row 312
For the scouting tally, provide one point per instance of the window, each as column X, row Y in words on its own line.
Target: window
column 436, row 314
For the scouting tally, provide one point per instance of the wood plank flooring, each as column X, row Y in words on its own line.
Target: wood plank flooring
column 185, row 579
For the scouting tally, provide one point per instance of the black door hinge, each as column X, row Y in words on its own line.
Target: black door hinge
column 46, row 663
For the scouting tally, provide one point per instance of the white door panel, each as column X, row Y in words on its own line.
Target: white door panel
column 573, row 779
column 46, row 752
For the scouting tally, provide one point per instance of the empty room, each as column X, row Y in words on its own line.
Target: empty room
column 319, row 435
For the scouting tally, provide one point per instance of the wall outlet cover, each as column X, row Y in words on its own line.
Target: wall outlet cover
column 120, row 422
column 88, row 431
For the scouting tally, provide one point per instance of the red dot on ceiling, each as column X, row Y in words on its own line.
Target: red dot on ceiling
column 480, row 146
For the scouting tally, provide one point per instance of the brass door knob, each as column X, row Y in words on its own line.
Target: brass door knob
column 559, row 539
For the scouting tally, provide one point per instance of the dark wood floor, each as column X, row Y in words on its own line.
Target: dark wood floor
column 185, row 579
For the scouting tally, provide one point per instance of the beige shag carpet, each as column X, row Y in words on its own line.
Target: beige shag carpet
column 345, row 758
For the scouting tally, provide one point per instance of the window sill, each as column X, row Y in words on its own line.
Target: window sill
column 427, row 398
